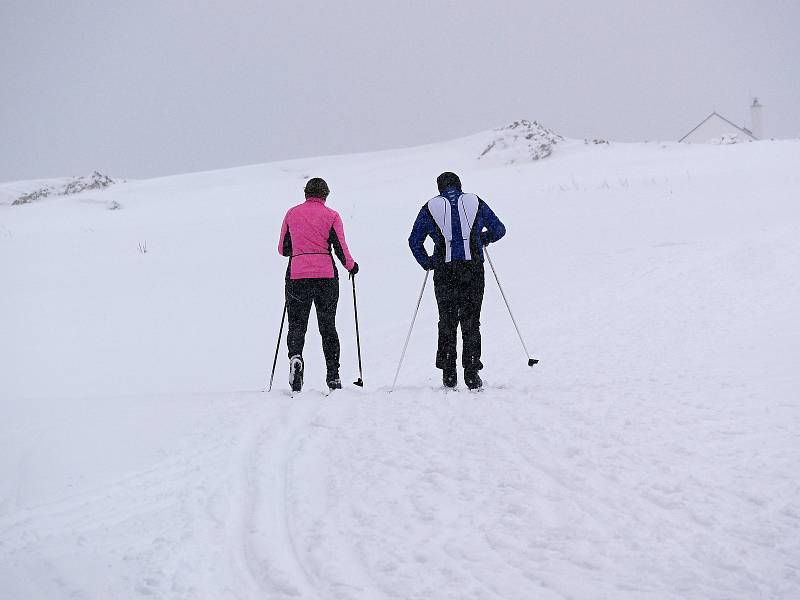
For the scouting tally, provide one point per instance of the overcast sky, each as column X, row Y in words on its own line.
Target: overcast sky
column 152, row 87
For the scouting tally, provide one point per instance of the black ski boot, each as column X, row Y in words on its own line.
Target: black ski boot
column 473, row 380
column 334, row 383
column 296, row 373
column 449, row 377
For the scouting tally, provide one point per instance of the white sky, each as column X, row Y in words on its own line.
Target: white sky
column 154, row 87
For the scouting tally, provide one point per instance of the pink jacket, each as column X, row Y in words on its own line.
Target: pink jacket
column 309, row 232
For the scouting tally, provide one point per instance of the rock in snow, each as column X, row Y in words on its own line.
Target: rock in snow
column 74, row 185
column 522, row 140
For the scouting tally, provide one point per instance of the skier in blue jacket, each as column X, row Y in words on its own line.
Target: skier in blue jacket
column 460, row 225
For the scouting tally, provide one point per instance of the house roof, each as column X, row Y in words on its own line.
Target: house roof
column 744, row 130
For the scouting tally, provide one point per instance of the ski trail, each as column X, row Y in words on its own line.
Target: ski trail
column 211, row 522
column 336, row 558
column 262, row 541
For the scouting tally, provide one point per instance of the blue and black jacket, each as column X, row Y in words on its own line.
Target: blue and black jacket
column 460, row 225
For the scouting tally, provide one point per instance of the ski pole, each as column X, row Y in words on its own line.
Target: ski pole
column 531, row 361
column 408, row 337
column 277, row 347
column 360, row 382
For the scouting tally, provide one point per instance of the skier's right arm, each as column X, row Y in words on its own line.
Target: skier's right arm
column 423, row 227
column 285, row 241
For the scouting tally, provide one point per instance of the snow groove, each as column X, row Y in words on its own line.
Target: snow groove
column 268, row 552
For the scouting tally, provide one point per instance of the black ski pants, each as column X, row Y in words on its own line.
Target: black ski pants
column 459, row 289
column 324, row 294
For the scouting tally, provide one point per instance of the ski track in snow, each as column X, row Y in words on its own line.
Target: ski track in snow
column 268, row 544
column 223, row 508
column 423, row 493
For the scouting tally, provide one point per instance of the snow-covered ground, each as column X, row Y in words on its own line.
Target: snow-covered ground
column 653, row 453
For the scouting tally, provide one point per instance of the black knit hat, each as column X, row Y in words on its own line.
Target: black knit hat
column 447, row 180
column 317, row 188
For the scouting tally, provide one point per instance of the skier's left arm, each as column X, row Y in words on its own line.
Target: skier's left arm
column 337, row 241
column 493, row 227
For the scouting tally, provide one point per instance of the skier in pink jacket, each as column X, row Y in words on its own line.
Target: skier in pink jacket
column 310, row 234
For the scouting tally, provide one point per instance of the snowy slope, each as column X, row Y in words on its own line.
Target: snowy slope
column 653, row 453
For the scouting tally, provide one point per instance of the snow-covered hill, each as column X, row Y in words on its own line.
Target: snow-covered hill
column 653, row 453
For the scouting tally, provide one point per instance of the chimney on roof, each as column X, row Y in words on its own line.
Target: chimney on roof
column 756, row 125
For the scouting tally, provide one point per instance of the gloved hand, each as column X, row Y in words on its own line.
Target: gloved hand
column 485, row 238
column 353, row 271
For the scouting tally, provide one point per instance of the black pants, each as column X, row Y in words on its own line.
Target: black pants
column 324, row 294
column 459, row 293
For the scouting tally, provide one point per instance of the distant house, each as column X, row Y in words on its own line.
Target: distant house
column 716, row 128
